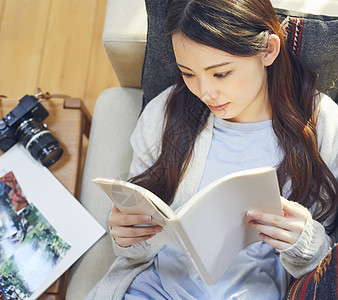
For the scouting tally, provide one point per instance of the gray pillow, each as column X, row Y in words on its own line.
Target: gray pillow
column 313, row 37
column 159, row 67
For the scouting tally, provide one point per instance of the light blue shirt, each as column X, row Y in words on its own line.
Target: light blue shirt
column 256, row 272
column 240, row 146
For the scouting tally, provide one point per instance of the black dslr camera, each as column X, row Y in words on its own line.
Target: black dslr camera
column 23, row 124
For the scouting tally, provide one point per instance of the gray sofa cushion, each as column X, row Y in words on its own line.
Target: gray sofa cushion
column 317, row 46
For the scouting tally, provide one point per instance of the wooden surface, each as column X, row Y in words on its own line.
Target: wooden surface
column 55, row 45
column 67, row 124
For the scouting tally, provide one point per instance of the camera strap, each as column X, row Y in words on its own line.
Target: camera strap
column 47, row 95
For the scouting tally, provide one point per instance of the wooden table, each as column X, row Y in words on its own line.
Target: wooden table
column 68, row 121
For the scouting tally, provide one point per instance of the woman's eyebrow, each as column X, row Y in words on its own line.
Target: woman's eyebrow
column 218, row 65
column 209, row 67
column 183, row 67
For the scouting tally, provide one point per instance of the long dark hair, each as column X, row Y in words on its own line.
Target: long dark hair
column 242, row 28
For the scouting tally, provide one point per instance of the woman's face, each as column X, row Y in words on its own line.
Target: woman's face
column 233, row 87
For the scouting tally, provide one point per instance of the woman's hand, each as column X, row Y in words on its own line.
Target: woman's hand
column 281, row 232
column 126, row 229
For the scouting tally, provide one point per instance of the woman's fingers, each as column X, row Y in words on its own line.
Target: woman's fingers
column 135, row 231
column 131, row 229
column 119, row 219
column 128, row 236
column 126, row 242
column 288, row 223
column 277, row 244
column 293, row 209
column 275, row 230
column 280, row 231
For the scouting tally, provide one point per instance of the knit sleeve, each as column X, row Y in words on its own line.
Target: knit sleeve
column 311, row 247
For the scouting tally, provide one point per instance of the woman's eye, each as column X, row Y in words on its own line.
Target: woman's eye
column 188, row 75
column 222, row 75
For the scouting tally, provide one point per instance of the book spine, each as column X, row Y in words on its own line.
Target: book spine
column 183, row 242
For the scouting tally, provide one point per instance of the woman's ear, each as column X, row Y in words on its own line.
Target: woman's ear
column 272, row 50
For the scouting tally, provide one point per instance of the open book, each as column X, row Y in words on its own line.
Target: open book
column 212, row 226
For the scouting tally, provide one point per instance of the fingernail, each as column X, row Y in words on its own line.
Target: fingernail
column 250, row 213
column 158, row 229
column 147, row 218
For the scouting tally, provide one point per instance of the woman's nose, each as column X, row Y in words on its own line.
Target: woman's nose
column 208, row 91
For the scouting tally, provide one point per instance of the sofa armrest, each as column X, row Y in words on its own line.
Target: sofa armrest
column 125, row 41
column 109, row 154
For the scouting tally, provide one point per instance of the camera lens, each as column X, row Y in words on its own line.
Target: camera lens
column 38, row 140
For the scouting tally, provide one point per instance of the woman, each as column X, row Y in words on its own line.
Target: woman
column 242, row 101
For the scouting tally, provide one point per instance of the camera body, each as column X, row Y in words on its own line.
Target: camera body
column 24, row 124
column 28, row 108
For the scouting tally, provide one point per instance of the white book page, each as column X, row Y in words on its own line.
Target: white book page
column 215, row 219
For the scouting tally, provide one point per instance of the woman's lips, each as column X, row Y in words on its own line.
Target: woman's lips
column 218, row 107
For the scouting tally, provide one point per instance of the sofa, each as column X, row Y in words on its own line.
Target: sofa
column 115, row 115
